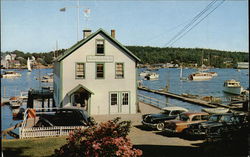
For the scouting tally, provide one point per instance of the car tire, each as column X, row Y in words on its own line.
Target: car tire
column 160, row 126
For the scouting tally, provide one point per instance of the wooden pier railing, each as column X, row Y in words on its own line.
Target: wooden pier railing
column 153, row 101
column 177, row 96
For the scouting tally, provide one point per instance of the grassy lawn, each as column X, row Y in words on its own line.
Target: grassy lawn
column 34, row 147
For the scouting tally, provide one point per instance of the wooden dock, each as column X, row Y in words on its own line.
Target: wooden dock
column 186, row 99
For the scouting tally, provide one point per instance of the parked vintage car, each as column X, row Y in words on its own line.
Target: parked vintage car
column 157, row 120
column 199, row 129
column 185, row 119
column 225, row 126
column 65, row 117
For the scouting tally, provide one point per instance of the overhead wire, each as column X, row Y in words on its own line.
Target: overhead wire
column 208, row 7
column 192, row 21
column 197, row 23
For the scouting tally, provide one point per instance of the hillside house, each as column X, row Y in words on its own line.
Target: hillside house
column 97, row 73
column 7, row 57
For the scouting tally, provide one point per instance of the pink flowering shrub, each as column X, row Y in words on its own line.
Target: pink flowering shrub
column 106, row 140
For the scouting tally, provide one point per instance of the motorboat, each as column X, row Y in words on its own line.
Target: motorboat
column 232, row 87
column 200, row 76
column 17, row 114
column 10, row 74
column 15, row 102
column 217, row 110
column 152, row 76
column 47, row 78
column 213, row 73
column 144, row 73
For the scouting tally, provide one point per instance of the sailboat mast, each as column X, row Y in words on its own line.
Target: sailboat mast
column 181, row 72
column 202, row 61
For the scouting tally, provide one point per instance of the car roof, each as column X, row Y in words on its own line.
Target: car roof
column 172, row 108
column 194, row 113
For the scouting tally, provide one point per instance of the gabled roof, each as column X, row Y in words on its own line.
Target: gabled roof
column 77, row 88
column 83, row 41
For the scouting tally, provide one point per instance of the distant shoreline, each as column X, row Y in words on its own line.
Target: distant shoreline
column 37, row 67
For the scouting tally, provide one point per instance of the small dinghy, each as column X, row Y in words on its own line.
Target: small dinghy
column 218, row 110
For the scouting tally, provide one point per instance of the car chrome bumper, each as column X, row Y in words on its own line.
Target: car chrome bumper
column 149, row 124
column 196, row 132
column 170, row 130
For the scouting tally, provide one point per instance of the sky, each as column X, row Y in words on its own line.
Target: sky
column 39, row 26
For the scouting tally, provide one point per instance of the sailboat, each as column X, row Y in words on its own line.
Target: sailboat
column 28, row 65
column 182, row 78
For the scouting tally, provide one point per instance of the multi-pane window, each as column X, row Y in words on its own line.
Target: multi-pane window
column 99, row 70
column 119, row 70
column 80, row 70
column 100, row 47
column 114, row 99
column 124, row 98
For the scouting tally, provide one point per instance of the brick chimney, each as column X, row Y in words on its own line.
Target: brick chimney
column 112, row 33
column 86, row 33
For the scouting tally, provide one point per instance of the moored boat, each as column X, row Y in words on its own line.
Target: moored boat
column 213, row 73
column 28, row 65
column 10, row 74
column 15, row 102
column 200, row 76
column 182, row 78
column 152, row 76
column 232, row 87
column 217, row 110
column 47, row 78
column 144, row 73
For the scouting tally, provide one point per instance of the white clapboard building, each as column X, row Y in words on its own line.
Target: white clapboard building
column 97, row 73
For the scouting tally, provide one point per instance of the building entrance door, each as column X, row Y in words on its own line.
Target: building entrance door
column 119, row 102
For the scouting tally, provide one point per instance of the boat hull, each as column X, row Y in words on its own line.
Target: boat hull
column 233, row 90
column 200, row 78
column 11, row 76
column 215, row 110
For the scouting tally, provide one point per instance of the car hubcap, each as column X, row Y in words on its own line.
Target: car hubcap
column 160, row 126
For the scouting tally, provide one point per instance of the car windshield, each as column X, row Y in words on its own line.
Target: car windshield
column 225, row 119
column 184, row 117
column 214, row 118
column 85, row 114
column 165, row 112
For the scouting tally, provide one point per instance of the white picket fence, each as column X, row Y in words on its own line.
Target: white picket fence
column 47, row 131
column 27, row 132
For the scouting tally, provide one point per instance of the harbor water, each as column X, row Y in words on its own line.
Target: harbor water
column 213, row 87
column 13, row 87
column 170, row 76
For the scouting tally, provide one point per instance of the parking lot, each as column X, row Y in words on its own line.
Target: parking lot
column 154, row 142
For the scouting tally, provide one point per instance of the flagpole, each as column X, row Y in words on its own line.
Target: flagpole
column 78, row 15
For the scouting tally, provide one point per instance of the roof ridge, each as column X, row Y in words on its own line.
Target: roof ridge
column 83, row 41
